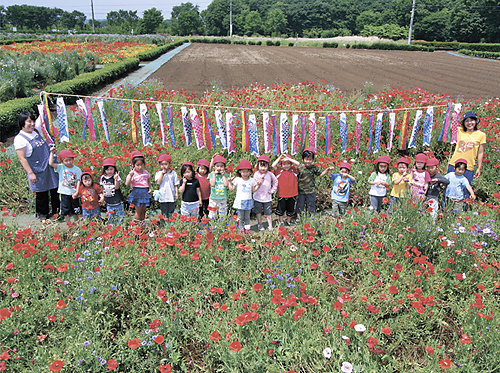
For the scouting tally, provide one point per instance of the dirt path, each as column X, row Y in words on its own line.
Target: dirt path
column 201, row 65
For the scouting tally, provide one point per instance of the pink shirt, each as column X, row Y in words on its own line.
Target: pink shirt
column 140, row 180
column 267, row 188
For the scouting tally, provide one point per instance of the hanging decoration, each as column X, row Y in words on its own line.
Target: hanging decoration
column 230, row 133
column 245, row 138
column 145, row 125
column 186, row 125
column 455, row 122
column 162, row 124
column 443, row 136
column 392, row 124
column 403, row 135
column 207, row 131
column 51, row 129
column 295, row 133
column 303, row 132
column 428, row 120
column 284, row 133
column 328, row 135
column 276, row 145
column 198, row 130
column 343, row 131
column 171, row 125
column 266, row 126
column 359, row 117
column 221, row 129
column 43, row 126
column 62, row 119
column 104, row 120
column 312, row 132
column 371, row 134
column 133, row 126
column 253, row 134
column 416, row 127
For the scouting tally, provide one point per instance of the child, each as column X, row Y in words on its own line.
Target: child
column 458, row 182
column 306, row 183
column 113, row 197
column 287, row 186
column 168, row 181
column 190, row 189
column 341, row 187
column 140, row 180
column 379, row 180
column 243, row 202
column 421, row 178
column 437, row 180
column 69, row 175
column 401, row 180
column 202, row 176
column 91, row 195
column 262, row 197
column 217, row 203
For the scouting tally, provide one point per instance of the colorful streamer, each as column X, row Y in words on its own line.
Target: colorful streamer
column 266, row 125
column 303, row 131
column 443, row 136
column 392, row 124
column 198, row 130
column 371, row 134
column 145, row 125
column 328, row 135
column 230, row 133
column 104, row 120
column 83, row 111
column 455, row 122
column 162, row 124
column 429, row 118
column 403, row 135
column 207, row 137
column 94, row 135
column 359, row 118
column 186, row 125
column 253, row 134
column 284, row 133
column 276, row 145
column 312, row 132
column 378, row 131
column 170, row 112
column 343, row 131
column 221, row 129
column 416, row 128
column 295, row 133
column 245, row 137
column 52, row 130
column 62, row 119
column 133, row 125
column 43, row 126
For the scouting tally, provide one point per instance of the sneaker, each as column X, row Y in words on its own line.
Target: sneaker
column 282, row 224
column 270, row 227
column 261, row 227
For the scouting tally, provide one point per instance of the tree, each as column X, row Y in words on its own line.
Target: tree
column 123, row 21
column 151, row 19
column 467, row 26
column 73, row 20
column 275, row 24
column 186, row 19
column 216, row 16
column 3, row 18
column 435, row 26
column 368, row 17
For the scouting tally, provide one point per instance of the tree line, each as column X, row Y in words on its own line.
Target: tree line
column 446, row 20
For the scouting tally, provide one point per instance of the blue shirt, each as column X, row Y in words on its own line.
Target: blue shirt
column 455, row 190
column 68, row 177
column 341, row 187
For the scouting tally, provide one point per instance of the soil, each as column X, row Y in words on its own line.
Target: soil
column 200, row 66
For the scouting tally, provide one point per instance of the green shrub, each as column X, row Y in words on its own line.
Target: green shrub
column 8, row 42
column 291, row 44
column 242, row 42
column 330, row 45
column 480, row 47
column 269, row 42
column 278, row 43
column 482, row 54
column 251, row 42
column 348, row 46
column 154, row 53
column 259, row 42
column 440, row 45
column 393, row 46
column 9, row 112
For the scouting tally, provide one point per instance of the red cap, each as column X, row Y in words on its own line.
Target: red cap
column 433, row 162
column 203, row 162
column 85, row 173
column 460, row 160
column 421, row 157
column 311, row 150
column 134, row 154
column 219, row 159
column 244, row 165
column 188, row 164
column 286, row 158
column 404, row 160
column 264, row 158
column 165, row 158
column 66, row 153
column 383, row 159
column 109, row 162
column 345, row 165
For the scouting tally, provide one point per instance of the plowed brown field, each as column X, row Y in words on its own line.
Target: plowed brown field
column 200, row 65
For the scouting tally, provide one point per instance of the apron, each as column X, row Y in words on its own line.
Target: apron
column 46, row 177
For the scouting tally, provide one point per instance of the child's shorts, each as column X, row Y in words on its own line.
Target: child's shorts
column 167, row 208
column 286, row 204
column 92, row 213
column 140, row 197
column 306, row 201
column 115, row 213
column 69, row 206
column 258, row 207
column 190, row 208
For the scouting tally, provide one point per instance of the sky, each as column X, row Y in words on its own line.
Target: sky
column 103, row 7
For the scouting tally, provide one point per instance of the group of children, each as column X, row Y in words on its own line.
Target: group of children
column 205, row 190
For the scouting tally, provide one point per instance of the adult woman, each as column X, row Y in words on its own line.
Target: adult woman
column 470, row 145
column 33, row 153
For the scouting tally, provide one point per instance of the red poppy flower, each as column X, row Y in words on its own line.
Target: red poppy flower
column 167, row 368
column 4, row 314
column 257, row 287
column 235, row 346
column 386, row 331
column 112, row 364
column 134, row 343
column 445, row 363
column 215, row 336
column 372, row 342
column 51, row 318
column 429, row 350
column 60, row 304
column 465, row 339
column 56, row 366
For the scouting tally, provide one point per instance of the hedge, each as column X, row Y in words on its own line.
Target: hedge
column 393, row 46
column 330, row 45
column 10, row 41
column 483, row 54
column 480, row 47
column 211, row 41
column 440, row 45
column 154, row 53
column 242, row 42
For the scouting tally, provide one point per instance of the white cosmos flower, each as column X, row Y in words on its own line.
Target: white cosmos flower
column 346, row 367
column 360, row 328
column 327, row 352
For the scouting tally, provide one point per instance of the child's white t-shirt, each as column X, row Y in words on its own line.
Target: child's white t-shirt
column 167, row 186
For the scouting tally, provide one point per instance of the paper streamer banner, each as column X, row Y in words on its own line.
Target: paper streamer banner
column 371, row 134
column 145, row 125
column 266, row 126
column 392, row 124
column 276, row 145
column 207, row 132
column 186, row 125
column 133, row 125
column 295, row 133
column 45, row 134
column 343, row 131
column 313, row 136
column 328, row 135
column 443, row 136
column 221, row 129
column 230, row 133
column 403, row 135
column 62, row 119
column 83, row 111
column 198, row 130
column 162, row 124
column 303, row 130
column 104, row 120
column 245, row 137
column 455, row 123
column 359, row 117
column 253, row 134
column 284, row 133
column 51, row 129
column 378, row 131
column 94, row 135
column 170, row 112
column 429, row 118
column 416, row 128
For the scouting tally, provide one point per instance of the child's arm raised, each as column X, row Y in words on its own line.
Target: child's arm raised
column 325, row 171
column 117, row 180
column 182, row 188
column 275, row 163
column 212, row 180
column 51, row 157
column 230, row 184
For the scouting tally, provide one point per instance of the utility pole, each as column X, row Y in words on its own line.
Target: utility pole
column 92, row 6
column 411, row 22
column 231, row 19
